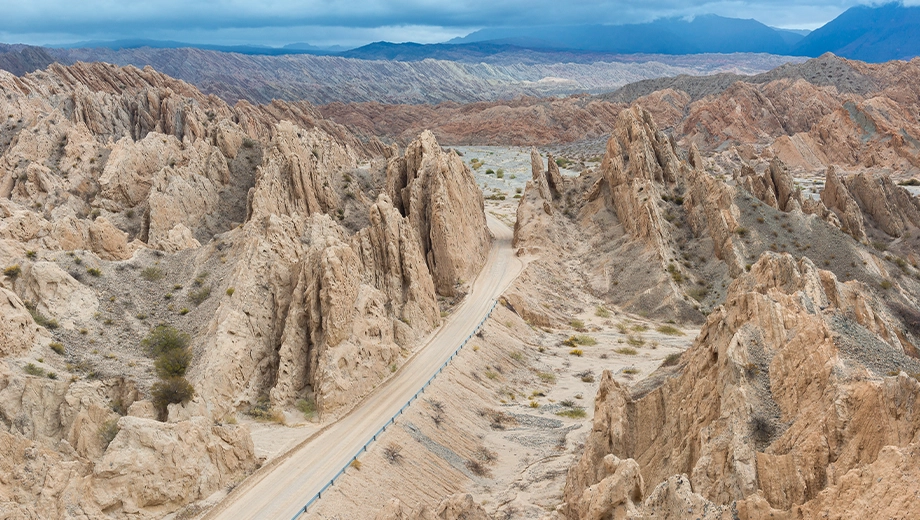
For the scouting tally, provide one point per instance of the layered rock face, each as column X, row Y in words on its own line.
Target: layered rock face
column 645, row 202
column 128, row 198
column 358, row 304
column 436, row 191
column 768, row 413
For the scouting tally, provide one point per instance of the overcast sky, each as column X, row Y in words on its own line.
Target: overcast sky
column 357, row 22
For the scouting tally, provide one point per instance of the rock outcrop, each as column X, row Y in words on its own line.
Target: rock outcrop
column 892, row 208
column 436, row 191
column 837, row 198
column 769, row 409
column 455, row 507
column 358, row 304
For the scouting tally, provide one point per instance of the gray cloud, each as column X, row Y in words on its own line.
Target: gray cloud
column 274, row 22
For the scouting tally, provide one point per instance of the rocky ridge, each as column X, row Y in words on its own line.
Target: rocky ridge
column 265, row 232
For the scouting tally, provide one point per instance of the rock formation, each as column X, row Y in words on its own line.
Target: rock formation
column 767, row 411
column 438, row 194
column 455, row 507
column 357, row 305
column 837, row 198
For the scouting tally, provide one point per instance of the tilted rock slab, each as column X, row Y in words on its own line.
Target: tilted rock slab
column 439, row 195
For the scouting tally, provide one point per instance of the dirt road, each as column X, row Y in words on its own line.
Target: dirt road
column 282, row 491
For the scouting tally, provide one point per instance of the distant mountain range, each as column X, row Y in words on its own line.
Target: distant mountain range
column 867, row 33
column 292, row 48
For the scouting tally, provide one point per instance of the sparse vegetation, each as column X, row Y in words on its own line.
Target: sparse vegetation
column 547, row 377
column 173, row 363
column 57, row 347
column 586, row 376
column 33, row 370
column 393, row 453
column 670, row 330
column 198, row 296
column 577, row 324
column 602, row 312
column 573, row 413
column 671, row 360
column 577, row 352
column 635, row 341
column 41, row 319
column 12, row 272
column 152, row 274
column 307, row 408
column 885, row 284
column 94, row 272
column 626, row 351
column 230, row 291
column 631, row 371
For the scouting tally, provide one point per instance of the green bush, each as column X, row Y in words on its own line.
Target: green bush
column 307, row 407
column 670, row 330
column 174, row 390
column 33, row 370
column 41, row 319
column 57, row 347
column 199, row 296
column 671, row 360
column 163, row 339
column 573, row 413
column 173, row 363
column 12, row 271
column 152, row 274
column 93, row 271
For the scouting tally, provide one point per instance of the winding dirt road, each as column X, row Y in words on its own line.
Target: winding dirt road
column 281, row 490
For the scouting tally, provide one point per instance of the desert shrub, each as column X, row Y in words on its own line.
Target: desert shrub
column 573, row 413
column 671, row 360
column 577, row 324
column 477, row 468
column 577, row 352
column 57, row 347
column 172, row 363
column 94, row 272
column 585, row 340
column 741, row 231
column 152, row 274
column 547, row 377
column 500, row 174
column 356, row 464
column 761, row 429
column 31, row 254
column 534, row 404
column 12, row 272
column 200, row 295
column 230, row 291
column 626, row 351
column 34, row 370
column 306, row 407
column 393, row 453
column 602, row 312
column 164, row 338
column 175, row 390
column 631, row 371
column 670, row 330
column 885, row 284
column 107, row 432
column 41, row 319
column 586, row 376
